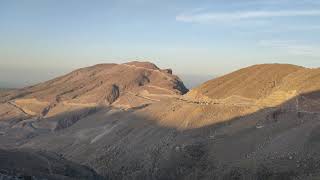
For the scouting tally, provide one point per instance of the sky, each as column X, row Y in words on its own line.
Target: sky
column 42, row 39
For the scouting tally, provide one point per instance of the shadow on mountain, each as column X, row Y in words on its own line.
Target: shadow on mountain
column 27, row 164
column 273, row 143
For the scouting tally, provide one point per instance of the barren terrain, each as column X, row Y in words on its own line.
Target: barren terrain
column 136, row 121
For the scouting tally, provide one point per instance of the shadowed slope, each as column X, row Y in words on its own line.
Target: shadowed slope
column 27, row 164
column 276, row 143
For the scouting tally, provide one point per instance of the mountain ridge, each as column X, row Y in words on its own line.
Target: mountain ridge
column 122, row 85
column 260, row 122
column 246, row 81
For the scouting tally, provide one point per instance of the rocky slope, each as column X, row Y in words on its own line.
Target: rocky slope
column 103, row 84
column 27, row 164
column 124, row 86
column 254, row 82
column 261, row 122
column 265, row 85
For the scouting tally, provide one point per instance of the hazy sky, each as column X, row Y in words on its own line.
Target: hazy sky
column 40, row 39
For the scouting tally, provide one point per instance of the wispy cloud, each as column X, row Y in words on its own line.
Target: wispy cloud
column 292, row 47
column 292, row 28
column 207, row 17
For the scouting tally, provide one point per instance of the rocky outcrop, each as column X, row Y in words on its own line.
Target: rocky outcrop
column 113, row 93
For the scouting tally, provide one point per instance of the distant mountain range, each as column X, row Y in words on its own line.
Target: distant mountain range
column 194, row 80
column 5, row 85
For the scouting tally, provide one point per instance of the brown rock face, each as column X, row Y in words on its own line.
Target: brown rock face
column 169, row 71
column 112, row 93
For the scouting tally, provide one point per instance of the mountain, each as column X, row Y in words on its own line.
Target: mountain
column 124, row 86
column 260, row 85
column 260, row 122
column 254, row 82
column 103, row 83
column 3, row 90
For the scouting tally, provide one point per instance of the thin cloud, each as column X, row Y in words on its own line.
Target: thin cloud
column 242, row 15
column 294, row 28
column 292, row 47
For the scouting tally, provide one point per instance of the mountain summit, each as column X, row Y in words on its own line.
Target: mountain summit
column 124, row 85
